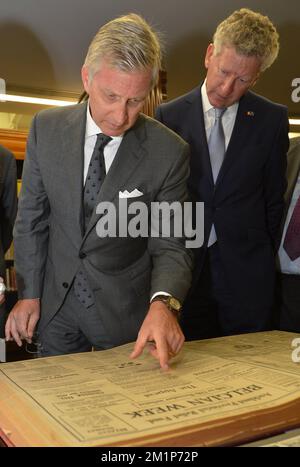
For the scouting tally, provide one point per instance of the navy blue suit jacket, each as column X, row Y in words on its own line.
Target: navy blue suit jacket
column 246, row 204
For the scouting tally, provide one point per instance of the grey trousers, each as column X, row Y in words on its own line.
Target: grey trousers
column 73, row 329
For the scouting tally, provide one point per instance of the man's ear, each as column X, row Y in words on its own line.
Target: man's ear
column 85, row 78
column 255, row 80
column 209, row 54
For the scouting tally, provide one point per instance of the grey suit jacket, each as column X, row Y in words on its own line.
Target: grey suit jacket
column 8, row 201
column 49, row 244
column 8, row 210
column 293, row 168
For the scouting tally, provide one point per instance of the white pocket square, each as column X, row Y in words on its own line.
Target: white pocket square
column 133, row 194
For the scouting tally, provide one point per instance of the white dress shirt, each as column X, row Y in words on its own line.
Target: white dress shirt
column 110, row 150
column 228, row 120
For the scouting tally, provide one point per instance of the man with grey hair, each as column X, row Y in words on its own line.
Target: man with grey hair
column 84, row 290
column 239, row 142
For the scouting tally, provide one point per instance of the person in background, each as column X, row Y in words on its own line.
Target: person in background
column 288, row 277
column 84, row 290
column 8, row 210
column 239, row 142
column 2, row 290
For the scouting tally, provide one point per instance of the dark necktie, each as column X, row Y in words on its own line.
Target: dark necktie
column 291, row 242
column 94, row 179
column 216, row 146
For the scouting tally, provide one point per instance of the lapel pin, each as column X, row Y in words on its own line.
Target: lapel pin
column 249, row 113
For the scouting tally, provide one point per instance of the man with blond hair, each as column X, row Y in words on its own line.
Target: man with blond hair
column 86, row 290
column 239, row 142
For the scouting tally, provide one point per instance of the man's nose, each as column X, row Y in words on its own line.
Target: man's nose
column 120, row 114
column 227, row 86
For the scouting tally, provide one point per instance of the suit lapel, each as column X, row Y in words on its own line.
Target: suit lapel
column 197, row 137
column 129, row 155
column 242, row 127
column 293, row 167
column 73, row 162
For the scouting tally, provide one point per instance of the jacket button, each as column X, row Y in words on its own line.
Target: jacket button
column 65, row 285
column 82, row 255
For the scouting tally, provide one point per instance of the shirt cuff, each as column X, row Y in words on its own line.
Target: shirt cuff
column 160, row 293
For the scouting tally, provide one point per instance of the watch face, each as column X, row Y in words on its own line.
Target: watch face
column 174, row 303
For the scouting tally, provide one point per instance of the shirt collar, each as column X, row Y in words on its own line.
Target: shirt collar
column 205, row 101
column 92, row 129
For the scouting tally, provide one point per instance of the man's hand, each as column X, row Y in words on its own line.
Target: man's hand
column 22, row 320
column 161, row 331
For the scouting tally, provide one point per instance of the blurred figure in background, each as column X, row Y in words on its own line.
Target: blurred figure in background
column 288, row 279
column 8, row 210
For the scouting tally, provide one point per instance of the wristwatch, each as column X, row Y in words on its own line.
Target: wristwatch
column 172, row 303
